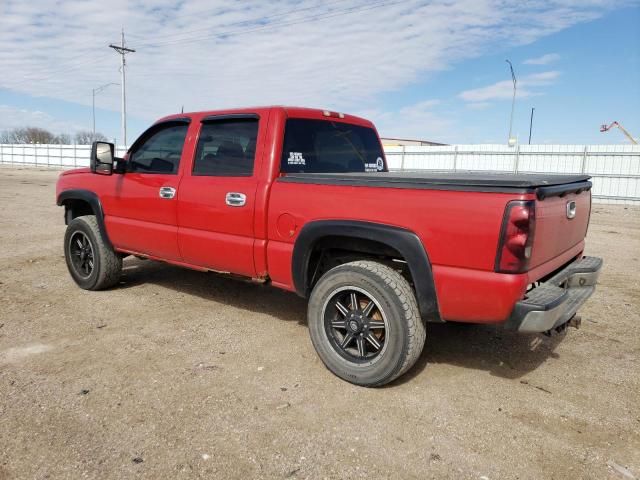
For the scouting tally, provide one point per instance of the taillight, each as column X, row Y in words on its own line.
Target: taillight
column 516, row 237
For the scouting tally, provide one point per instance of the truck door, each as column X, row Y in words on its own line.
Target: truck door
column 218, row 196
column 141, row 210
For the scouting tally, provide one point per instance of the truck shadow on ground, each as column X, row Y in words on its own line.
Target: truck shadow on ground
column 502, row 353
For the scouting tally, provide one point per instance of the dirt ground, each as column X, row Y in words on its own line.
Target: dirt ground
column 180, row 374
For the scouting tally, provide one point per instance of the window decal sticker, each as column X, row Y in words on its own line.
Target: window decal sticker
column 296, row 158
column 374, row 167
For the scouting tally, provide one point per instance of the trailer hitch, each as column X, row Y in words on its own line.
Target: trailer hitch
column 574, row 322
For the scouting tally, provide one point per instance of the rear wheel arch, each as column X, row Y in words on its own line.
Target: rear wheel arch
column 365, row 240
column 79, row 202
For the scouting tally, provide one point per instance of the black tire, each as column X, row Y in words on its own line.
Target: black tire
column 92, row 264
column 400, row 341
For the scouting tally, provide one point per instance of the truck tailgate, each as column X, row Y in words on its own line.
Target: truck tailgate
column 561, row 224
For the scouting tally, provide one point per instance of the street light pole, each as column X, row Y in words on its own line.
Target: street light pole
column 531, row 124
column 511, row 141
column 93, row 103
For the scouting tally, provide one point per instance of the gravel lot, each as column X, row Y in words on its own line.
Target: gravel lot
column 180, row 374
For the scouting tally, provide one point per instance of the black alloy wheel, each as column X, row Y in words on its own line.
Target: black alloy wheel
column 92, row 262
column 364, row 322
column 81, row 254
column 355, row 324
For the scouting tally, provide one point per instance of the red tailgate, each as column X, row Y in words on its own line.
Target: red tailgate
column 561, row 224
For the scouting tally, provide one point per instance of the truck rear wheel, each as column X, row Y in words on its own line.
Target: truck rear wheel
column 92, row 263
column 365, row 324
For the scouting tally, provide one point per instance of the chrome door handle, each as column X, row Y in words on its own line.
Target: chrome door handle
column 235, row 199
column 167, row 192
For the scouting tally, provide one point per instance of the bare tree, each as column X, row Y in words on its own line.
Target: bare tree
column 30, row 135
column 40, row 135
column 63, row 139
column 87, row 138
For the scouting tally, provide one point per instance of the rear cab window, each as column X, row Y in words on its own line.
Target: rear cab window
column 325, row 146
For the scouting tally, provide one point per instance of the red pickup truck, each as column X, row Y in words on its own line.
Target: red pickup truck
column 302, row 199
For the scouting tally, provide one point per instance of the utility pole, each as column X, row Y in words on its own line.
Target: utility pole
column 93, row 103
column 511, row 140
column 122, row 50
column 531, row 124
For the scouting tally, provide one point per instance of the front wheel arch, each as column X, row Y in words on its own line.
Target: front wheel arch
column 80, row 202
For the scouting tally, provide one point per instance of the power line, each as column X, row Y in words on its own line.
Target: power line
column 307, row 19
column 70, row 63
column 242, row 22
column 122, row 50
column 94, row 91
column 68, row 68
column 302, row 20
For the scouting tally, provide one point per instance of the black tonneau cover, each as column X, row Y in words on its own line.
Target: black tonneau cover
column 545, row 185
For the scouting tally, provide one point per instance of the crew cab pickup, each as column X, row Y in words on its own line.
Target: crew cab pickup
column 302, row 199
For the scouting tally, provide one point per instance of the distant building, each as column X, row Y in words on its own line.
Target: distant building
column 400, row 142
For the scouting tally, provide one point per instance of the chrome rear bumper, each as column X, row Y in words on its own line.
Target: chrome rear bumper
column 553, row 303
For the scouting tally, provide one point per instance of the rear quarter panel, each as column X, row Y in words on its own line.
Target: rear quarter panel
column 459, row 230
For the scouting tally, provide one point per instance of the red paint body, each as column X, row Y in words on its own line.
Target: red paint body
column 459, row 229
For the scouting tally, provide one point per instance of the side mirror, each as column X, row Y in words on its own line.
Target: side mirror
column 101, row 161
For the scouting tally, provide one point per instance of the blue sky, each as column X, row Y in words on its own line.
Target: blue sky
column 431, row 70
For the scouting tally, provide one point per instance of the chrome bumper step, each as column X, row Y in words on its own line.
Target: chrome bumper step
column 556, row 301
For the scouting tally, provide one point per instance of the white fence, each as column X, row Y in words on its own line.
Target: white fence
column 65, row 156
column 615, row 168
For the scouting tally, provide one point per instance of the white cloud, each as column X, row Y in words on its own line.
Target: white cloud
column 479, row 105
column 543, row 78
column 527, row 87
column 339, row 55
column 12, row 117
column 543, row 60
column 421, row 121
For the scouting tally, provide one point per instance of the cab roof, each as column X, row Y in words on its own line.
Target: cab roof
column 290, row 112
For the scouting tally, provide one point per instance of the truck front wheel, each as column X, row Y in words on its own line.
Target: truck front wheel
column 365, row 324
column 92, row 263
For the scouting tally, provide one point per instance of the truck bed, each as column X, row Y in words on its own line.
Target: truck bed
column 549, row 184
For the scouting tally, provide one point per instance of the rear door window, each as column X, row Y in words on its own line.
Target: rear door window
column 227, row 148
column 323, row 146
